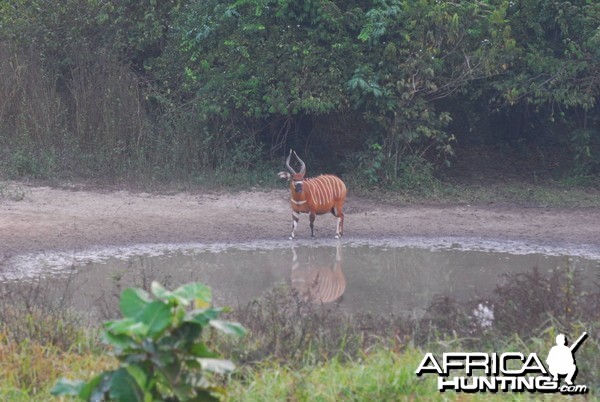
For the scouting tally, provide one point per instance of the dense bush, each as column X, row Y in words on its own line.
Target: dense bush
column 190, row 89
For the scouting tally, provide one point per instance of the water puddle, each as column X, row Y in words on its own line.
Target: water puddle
column 405, row 277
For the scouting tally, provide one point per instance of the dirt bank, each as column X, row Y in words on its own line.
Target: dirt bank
column 63, row 219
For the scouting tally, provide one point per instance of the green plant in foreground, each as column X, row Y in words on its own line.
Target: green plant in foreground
column 159, row 348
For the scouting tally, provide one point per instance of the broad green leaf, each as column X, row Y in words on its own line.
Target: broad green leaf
column 160, row 291
column 166, row 359
column 157, row 317
column 200, row 304
column 218, row 366
column 67, row 387
column 149, row 346
column 121, row 341
column 166, row 295
column 133, row 301
column 135, row 357
column 178, row 316
column 202, row 316
column 230, row 328
column 124, row 388
column 140, row 376
column 200, row 350
column 97, row 387
column 187, row 333
column 196, row 291
column 128, row 326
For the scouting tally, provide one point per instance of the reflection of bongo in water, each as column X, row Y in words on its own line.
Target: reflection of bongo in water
column 319, row 284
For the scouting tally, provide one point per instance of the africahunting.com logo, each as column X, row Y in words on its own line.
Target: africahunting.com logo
column 507, row 372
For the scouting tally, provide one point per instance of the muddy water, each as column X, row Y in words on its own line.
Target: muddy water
column 387, row 278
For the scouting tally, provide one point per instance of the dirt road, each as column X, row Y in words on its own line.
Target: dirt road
column 70, row 220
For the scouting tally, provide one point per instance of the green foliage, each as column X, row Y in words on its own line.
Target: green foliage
column 422, row 52
column 586, row 145
column 405, row 172
column 547, row 96
column 159, row 348
column 23, row 163
column 263, row 59
column 556, row 44
column 63, row 31
column 181, row 88
column 371, row 165
column 303, row 351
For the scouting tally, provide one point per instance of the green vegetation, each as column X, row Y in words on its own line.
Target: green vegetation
column 548, row 194
column 158, row 344
column 296, row 350
column 385, row 93
column 42, row 340
column 378, row 376
column 406, row 98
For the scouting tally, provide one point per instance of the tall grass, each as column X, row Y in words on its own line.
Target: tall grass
column 42, row 339
column 90, row 123
column 29, row 369
column 38, row 311
column 378, row 376
column 95, row 118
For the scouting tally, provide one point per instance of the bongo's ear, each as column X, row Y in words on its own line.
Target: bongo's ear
column 284, row 175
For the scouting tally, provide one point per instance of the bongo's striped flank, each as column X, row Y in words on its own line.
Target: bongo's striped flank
column 315, row 196
column 324, row 191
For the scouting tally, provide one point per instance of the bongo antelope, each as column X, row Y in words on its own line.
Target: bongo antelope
column 315, row 196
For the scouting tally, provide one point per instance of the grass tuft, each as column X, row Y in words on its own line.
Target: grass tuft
column 29, row 369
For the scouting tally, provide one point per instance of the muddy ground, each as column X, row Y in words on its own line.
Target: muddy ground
column 73, row 219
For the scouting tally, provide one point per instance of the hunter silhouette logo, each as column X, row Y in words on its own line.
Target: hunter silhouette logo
column 560, row 358
column 507, row 372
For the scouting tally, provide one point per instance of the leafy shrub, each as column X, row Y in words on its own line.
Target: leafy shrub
column 399, row 172
column 39, row 165
column 159, row 348
column 586, row 147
